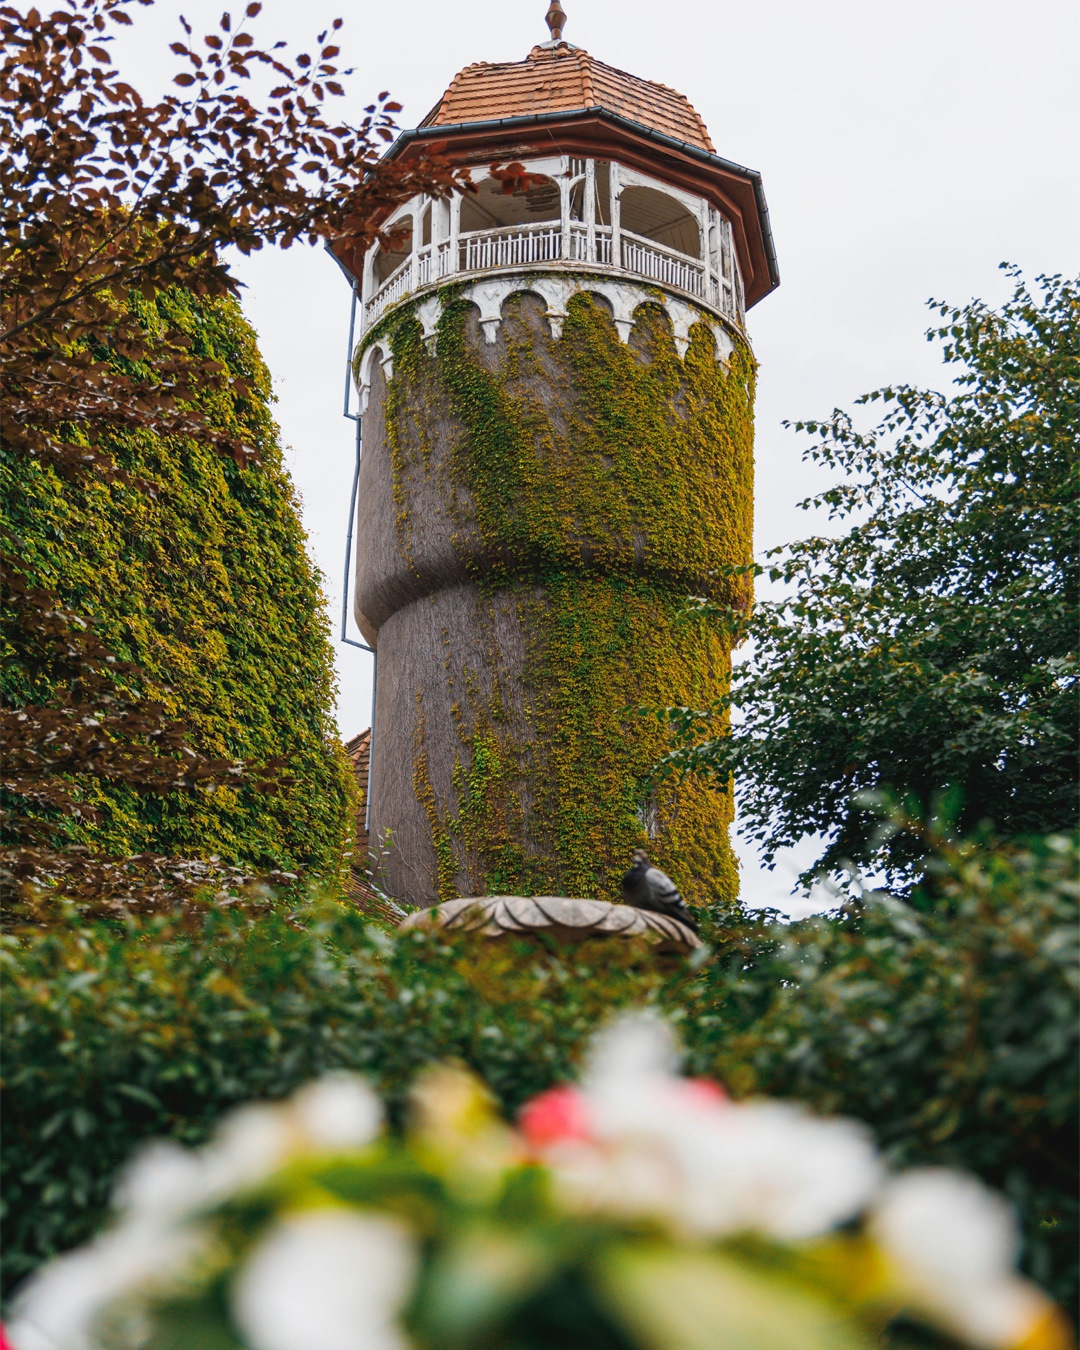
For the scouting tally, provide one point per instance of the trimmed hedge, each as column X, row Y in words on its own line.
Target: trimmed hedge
column 951, row 1031
column 195, row 571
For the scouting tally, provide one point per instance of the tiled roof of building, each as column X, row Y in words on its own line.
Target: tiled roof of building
column 359, row 887
column 359, row 752
column 563, row 79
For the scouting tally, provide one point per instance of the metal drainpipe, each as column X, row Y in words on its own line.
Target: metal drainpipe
column 351, row 642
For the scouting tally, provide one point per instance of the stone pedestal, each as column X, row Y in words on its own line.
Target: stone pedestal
column 566, row 919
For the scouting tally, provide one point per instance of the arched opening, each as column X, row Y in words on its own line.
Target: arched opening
column 388, row 260
column 654, row 215
column 603, row 192
column 490, row 208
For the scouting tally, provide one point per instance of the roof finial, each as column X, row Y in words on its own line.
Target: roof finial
column 555, row 19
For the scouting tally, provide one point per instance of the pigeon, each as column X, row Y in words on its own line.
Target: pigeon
column 646, row 887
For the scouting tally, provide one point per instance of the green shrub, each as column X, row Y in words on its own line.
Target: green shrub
column 948, row 1024
column 116, row 1035
column 194, row 571
column 952, row 1031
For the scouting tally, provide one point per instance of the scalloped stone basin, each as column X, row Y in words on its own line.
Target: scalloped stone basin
column 567, row 919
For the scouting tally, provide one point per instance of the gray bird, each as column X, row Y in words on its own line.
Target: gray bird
column 646, row 887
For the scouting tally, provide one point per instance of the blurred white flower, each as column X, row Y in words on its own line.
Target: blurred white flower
column 773, row 1168
column 657, row 1143
column 166, row 1186
column 59, row 1307
column 338, row 1110
column 160, row 1183
column 250, row 1143
column 947, row 1225
column 634, row 1046
column 326, row 1280
column 166, row 1183
column 953, row 1245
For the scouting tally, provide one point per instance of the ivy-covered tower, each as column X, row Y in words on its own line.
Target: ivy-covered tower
column 556, row 392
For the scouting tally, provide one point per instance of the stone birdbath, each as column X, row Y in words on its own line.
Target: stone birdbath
column 566, row 919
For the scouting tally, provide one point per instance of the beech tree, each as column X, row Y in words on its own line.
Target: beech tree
column 107, row 197
column 930, row 650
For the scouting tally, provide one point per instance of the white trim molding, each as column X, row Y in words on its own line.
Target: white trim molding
column 490, row 294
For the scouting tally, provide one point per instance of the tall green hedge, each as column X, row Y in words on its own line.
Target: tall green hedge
column 196, row 572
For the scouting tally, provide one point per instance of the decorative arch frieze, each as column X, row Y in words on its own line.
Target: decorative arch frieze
column 490, row 294
column 379, row 351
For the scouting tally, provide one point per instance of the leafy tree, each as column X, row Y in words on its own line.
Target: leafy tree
column 932, row 646
column 112, row 204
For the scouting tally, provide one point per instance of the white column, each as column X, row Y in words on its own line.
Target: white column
column 564, row 207
column 706, row 262
column 616, row 217
column 417, row 237
column 455, row 231
column 728, row 304
column 590, row 210
column 438, row 235
column 367, row 280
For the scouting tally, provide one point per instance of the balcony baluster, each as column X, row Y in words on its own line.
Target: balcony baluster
column 521, row 245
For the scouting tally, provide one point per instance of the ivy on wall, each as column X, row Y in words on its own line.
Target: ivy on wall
column 593, row 485
column 196, row 572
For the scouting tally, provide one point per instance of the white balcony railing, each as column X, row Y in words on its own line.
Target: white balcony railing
column 432, row 263
column 397, row 284
column 489, row 250
column 579, row 243
column 482, row 250
column 649, row 259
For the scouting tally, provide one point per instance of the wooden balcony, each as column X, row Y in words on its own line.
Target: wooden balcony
column 514, row 247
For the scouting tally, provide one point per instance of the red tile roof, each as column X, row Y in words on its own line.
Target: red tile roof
column 564, row 79
column 359, row 888
column 359, row 752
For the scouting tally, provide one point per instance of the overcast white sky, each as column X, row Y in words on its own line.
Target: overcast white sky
column 906, row 151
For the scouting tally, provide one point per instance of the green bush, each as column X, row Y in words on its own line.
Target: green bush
column 114, row 1036
column 948, row 1024
column 194, row 571
column 952, row 1030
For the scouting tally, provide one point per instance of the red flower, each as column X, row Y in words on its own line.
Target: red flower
column 703, row 1092
column 554, row 1116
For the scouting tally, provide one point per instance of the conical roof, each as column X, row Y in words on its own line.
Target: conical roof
column 558, row 77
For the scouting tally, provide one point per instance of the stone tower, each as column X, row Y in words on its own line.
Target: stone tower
column 556, row 394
